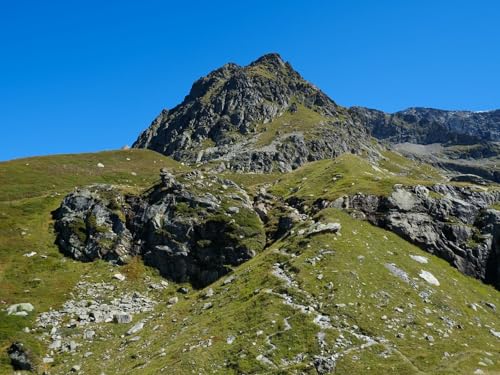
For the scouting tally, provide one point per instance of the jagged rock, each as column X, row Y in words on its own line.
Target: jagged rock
column 207, row 306
column 452, row 222
column 472, row 178
column 324, row 365
column 397, row 272
column 460, row 142
column 179, row 226
column 119, row 276
column 173, row 300
column 208, row 293
column 429, row 277
column 122, row 318
column 227, row 112
column 419, row 259
column 90, row 224
column 56, row 344
column 427, row 125
column 495, row 333
column 19, row 357
column 89, row 335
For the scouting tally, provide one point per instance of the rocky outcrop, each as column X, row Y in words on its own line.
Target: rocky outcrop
column 265, row 117
column 461, row 142
column 230, row 114
column 194, row 231
column 455, row 223
column 91, row 224
column 191, row 229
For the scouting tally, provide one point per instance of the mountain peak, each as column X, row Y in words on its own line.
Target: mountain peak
column 253, row 118
column 269, row 58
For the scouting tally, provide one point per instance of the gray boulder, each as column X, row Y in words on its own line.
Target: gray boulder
column 91, row 224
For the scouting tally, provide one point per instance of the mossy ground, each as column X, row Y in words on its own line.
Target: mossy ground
column 304, row 119
column 344, row 276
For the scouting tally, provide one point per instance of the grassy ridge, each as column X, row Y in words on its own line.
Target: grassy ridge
column 349, row 174
column 30, row 177
column 302, row 120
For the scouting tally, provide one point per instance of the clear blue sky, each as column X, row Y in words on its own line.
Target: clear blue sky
column 89, row 75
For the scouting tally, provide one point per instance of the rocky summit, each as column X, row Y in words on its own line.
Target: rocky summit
column 259, row 228
column 263, row 117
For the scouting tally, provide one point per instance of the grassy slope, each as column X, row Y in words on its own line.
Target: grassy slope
column 349, row 174
column 251, row 303
column 360, row 281
column 303, row 120
column 29, row 190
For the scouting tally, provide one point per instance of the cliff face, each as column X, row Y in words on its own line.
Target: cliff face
column 262, row 117
column 459, row 142
column 427, row 125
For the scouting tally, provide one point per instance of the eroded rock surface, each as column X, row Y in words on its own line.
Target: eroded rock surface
column 91, row 224
column 191, row 229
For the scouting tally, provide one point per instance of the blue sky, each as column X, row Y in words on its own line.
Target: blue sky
column 79, row 76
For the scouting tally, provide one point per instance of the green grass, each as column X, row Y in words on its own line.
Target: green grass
column 353, row 276
column 213, row 90
column 30, row 189
column 247, row 306
column 303, row 120
column 260, row 71
column 31, row 177
column 207, row 143
column 349, row 174
column 496, row 206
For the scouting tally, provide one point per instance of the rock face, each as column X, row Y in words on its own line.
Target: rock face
column 427, row 125
column 454, row 223
column 262, row 117
column 191, row 229
column 91, row 224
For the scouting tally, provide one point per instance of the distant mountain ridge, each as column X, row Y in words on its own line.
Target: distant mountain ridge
column 428, row 125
